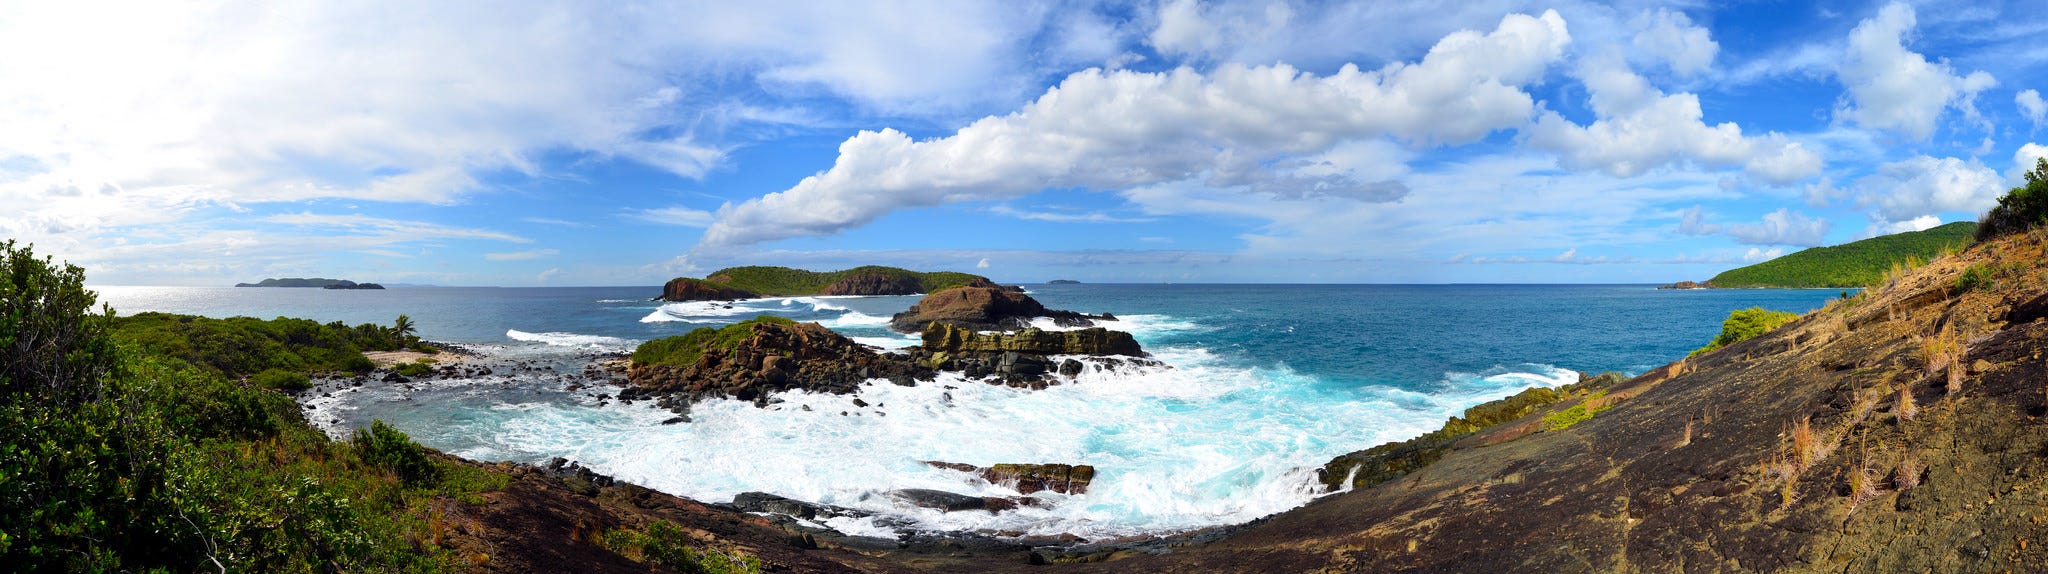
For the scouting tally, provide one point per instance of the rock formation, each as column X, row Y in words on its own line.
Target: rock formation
column 761, row 358
column 1029, row 478
column 874, row 284
column 687, row 289
column 1686, row 285
column 984, row 308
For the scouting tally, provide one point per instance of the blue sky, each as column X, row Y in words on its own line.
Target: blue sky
column 491, row 143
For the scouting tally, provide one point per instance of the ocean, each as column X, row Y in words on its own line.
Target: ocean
column 1262, row 384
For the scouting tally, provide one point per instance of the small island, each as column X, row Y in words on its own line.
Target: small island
column 319, row 282
column 751, row 282
column 1063, row 282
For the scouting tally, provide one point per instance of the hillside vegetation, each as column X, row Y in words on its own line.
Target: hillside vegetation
column 788, row 282
column 1853, row 264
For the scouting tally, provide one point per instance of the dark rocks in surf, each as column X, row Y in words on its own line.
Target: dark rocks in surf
column 1024, row 358
column 1030, row 478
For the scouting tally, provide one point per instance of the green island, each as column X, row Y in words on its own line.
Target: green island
column 1849, row 265
column 769, row 281
column 313, row 282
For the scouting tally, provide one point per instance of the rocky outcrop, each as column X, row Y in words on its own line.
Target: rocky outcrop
column 1392, row 460
column 1686, row 285
column 769, row 357
column 985, row 308
column 947, row 338
column 874, row 284
column 687, row 289
column 1029, row 478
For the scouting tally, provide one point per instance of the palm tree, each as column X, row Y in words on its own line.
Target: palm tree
column 402, row 328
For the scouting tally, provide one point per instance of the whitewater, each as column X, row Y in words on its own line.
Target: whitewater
column 1256, row 392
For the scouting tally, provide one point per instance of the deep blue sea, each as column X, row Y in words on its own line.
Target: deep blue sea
column 1263, row 384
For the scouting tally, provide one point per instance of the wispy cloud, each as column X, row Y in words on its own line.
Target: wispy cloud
column 681, row 216
column 521, row 255
column 1065, row 217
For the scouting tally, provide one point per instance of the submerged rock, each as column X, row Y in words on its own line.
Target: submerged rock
column 938, row 499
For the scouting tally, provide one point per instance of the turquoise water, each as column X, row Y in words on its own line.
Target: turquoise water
column 1263, row 384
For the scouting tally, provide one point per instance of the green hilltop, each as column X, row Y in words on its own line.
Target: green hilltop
column 1853, row 264
column 787, row 282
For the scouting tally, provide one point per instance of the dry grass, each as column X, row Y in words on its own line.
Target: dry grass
column 1687, row 438
column 1907, row 475
column 1804, row 447
column 1906, row 408
column 1942, row 352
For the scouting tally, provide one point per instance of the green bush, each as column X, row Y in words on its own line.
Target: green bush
column 1744, row 324
column 282, row 380
column 2021, row 209
column 1575, row 414
column 683, row 350
column 384, row 447
column 1974, row 277
column 242, row 346
column 414, row 369
column 665, row 544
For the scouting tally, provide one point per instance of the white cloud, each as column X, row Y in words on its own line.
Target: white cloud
column 1118, row 129
column 1064, row 216
column 1924, row 186
column 1692, row 223
column 521, row 255
column 983, row 264
column 1190, row 28
column 1782, row 227
column 1895, row 89
column 2023, row 161
column 1759, row 255
column 1671, row 37
column 1821, row 193
column 366, row 225
column 1639, row 128
column 544, row 276
column 682, row 216
column 2031, row 106
column 1921, row 223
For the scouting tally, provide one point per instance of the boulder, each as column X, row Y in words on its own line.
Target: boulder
column 687, row 289
column 938, row 499
column 983, row 308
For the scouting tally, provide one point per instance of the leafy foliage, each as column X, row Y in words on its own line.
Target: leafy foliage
column 1744, row 324
column 2021, row 209
column 1974, row 276
column 240, row 346
column 663, row 543
column 116, row 459
column 1853, row 264
column 684, row 350
column 785, row 281
column 1577, row 413
column 282, row 379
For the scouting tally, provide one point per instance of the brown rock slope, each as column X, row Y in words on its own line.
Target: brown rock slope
column 1901, row 430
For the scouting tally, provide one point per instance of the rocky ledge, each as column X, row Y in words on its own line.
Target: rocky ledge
column 1687, row 285
column 984, row 308
column 687, row 289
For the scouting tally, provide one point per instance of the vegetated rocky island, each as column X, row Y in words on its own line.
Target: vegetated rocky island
column 312, row 282
column 1847, row 266
column 751, row 282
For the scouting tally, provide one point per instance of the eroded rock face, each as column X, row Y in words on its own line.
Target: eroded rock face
column 685, row 289
column 774, row 357
column 947, row 338
column 873, row 284
column 984, row 308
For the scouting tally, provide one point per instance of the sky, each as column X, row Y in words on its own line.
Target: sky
column 1263, row 141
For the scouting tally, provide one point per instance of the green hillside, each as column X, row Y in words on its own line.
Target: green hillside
column 786, row 282
column 1852, row 264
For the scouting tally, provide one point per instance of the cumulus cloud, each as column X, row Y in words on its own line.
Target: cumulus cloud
column 1693, row 223
column 2031, row 106
column 1117, row 129
column 1924, row 186
column 2023, row 161
column 983, row 264
column 1672, row 38
column 1896, row 89
column 1782, row 227
column 1638, row 128
column 1759, row 255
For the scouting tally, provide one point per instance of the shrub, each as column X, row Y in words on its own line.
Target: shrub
column 2020, row 209
column 283, row 380
column 1973, row 277
column 384, row 447
column 1577, row 413
column 665, row 544
column 414, row 369
column 1744, row 324
column 54, row 347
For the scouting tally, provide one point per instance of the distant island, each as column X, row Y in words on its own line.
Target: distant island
column 1849, row 265
column 761, row 281
column 319, row 282
column 1063, row 282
